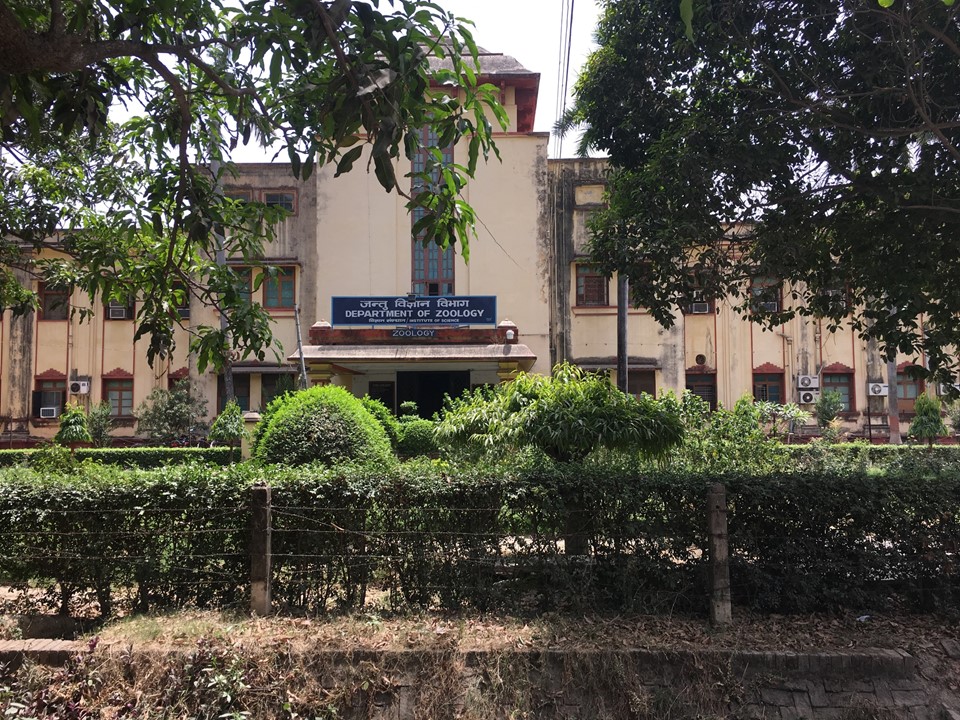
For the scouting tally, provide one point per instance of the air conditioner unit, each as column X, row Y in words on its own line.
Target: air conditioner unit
column 117, row 312
column 699, row 308
column 770, row 306
column 79, row 387
column 878, row 389
column 809, row 397
column 808, row 382
column 48, row 413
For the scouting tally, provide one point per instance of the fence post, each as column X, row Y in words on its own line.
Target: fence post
column 721, row 612
column 260, row 551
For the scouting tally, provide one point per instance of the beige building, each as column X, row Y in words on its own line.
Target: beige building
column 385, row 316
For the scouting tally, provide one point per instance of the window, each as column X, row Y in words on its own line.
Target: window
column 280, row 289
column 432, row 269
column 843, row 384
column 768, row 387
column 119, row 393
column 244, row 281
column 120, row 310
column 237, row 194
column 54, row 302
column 765, row 293
column 241, row 392
column 704, row 386
column 592, row 286
column 642, row 381
column 908, row 389
column 281, row 199
column 49, row 398
column 272, row 386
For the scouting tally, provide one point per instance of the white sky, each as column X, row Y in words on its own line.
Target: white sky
column 530, row 31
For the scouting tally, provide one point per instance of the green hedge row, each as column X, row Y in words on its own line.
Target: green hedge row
column 134, row 457
column 422, row 535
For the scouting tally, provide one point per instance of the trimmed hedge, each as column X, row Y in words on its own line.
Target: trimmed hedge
column 860, row 456
column 487, row 538
column 134, row 457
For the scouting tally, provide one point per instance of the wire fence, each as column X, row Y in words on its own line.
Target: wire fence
column 652, row 555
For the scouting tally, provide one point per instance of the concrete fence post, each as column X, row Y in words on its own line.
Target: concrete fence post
column 721, row 612
column 260, row 551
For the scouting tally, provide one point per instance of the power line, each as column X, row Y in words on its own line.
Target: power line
column 563, row 78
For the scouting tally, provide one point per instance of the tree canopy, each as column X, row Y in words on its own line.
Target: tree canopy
column 813, row 145
column 132, row 206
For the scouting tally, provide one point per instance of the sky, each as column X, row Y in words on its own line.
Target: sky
column 530, row 31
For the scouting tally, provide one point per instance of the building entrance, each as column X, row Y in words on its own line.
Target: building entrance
column 427, row 389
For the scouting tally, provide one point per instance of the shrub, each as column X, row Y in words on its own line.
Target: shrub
column 100, row 423
column 325, row 424
column 927, row 424
column 567, row 416
column 417, row 437
column 167, row 415
column 383, row 416
column 953, row 412
column 828, row 407
column 726, row 440
column 73, row 426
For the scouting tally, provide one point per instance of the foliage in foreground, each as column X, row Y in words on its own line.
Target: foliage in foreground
column 486, row 537
column 321, row 83
column 566, row 415
column 324, row 424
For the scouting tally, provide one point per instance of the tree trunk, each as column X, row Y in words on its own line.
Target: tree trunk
column 893, row 406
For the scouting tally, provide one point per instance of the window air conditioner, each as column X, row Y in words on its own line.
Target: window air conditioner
column 808, row 382
column 117, row 312
column 80, row 387
column 878, row 390
column 699, row 308
column 48, row 413
column 770, row 306
column 809, row 397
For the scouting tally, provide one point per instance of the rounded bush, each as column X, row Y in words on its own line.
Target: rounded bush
column 322, row 424
column 417, row 437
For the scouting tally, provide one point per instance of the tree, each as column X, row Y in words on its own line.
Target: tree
column 815, row 143
column 927, row 423
column 228, row 428
column 169, row 415
column 131, row 208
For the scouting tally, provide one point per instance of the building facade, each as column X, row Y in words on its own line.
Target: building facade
column 345, row 251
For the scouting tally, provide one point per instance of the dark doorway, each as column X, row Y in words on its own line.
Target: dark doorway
column 427, row 389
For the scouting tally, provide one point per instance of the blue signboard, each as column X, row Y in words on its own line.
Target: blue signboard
column 419, row 310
